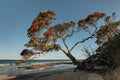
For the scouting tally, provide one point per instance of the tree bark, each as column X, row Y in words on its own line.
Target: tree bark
column 72, row 58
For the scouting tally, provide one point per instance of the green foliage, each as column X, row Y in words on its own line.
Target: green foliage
column 26, row 54
column 107, row 32
column 91, row 20
column 43, row 36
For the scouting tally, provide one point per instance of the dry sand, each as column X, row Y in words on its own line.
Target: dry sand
column 5, row 77
column 81, row 75
column 66, row 74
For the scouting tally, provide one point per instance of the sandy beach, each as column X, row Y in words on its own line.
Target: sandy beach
column 65, row 74
column 5, row 77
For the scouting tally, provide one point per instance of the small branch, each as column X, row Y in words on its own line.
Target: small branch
column 63, row 50
column 69, row 35
column 84, row 39
column 81, row 42
column 65, row 44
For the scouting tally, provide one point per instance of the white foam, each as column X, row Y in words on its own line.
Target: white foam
column 7, row 69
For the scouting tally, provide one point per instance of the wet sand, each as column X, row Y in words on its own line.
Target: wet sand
column 65, row 74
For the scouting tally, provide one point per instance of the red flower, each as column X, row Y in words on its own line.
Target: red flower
column 99, row 14
column 107, row 18
column 41, row 22
column 29, row 29
column 82, row 22
column 103, row 13
column 90, row 16
column 45, row 33
column 49, row 11
column 33, row 28
column 96, row 12
column 39, row 18
column 48, row 33
column 34, row 21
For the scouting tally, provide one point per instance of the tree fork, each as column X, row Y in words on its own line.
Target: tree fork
column 70, row 56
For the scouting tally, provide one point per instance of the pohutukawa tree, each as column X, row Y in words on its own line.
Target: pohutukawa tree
column 43, row 36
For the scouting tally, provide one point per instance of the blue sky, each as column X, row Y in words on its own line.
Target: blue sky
column 16, row 17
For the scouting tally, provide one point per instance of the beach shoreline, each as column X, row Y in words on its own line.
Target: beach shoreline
column 63, row 74
column 34, row 75
column 46, row 71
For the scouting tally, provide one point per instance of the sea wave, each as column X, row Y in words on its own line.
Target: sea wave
column 8, row 69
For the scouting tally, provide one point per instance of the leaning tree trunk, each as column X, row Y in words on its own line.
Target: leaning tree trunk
column 72, row 58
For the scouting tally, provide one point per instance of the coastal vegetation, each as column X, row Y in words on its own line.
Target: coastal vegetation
column 105, row 29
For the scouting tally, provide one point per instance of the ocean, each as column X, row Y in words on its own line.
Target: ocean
column 8, row 67
column 32, row 61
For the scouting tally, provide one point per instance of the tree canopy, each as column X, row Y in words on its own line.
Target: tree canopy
column 43, row 36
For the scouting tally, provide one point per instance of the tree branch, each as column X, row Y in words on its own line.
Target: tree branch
column 63, row 50
column 69, row 35
column 65, row 44
column 84, row 39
